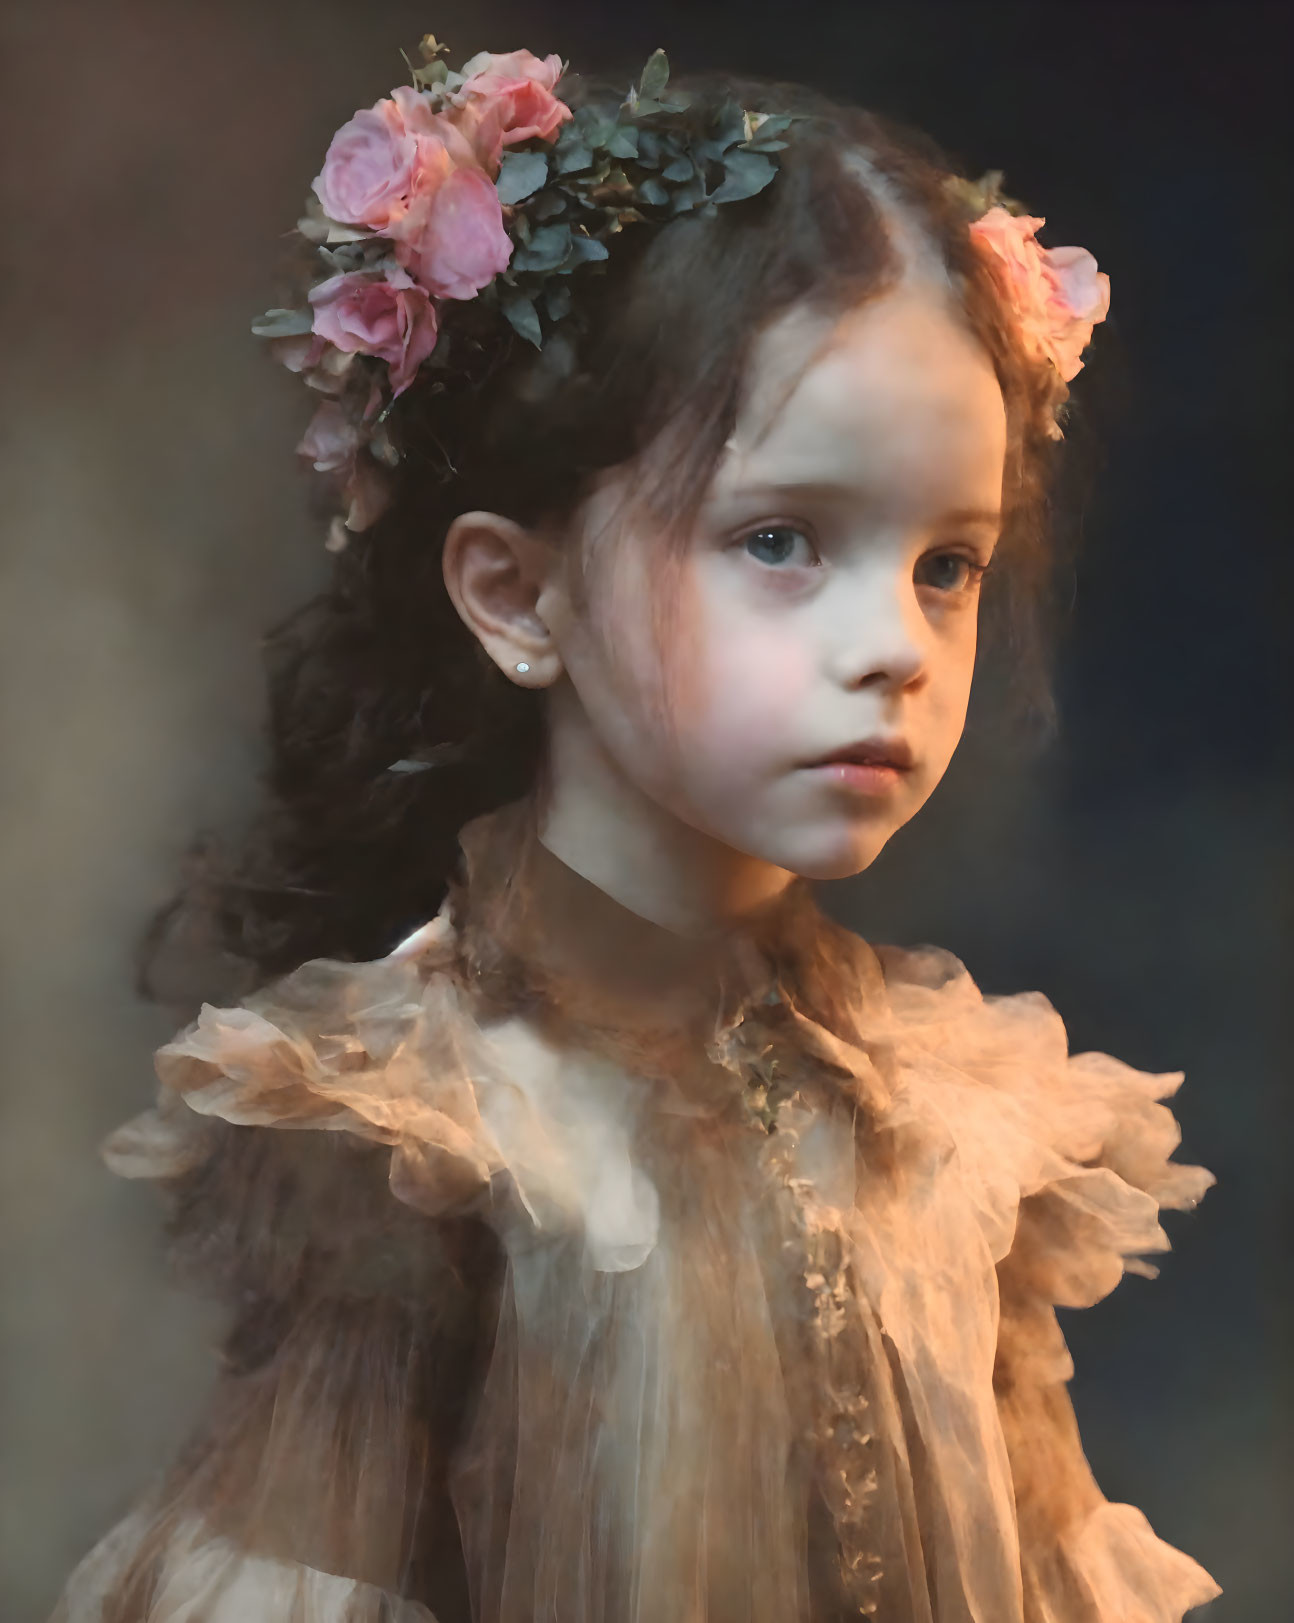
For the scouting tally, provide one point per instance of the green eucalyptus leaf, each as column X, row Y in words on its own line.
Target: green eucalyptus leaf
column 547, row 205
column 745, row 173
column 764, row 146
column 283, row 323
column 335, row 231
column 681, row 169
column 729, row 126
column 434, row 73
column 520, row 311
column 688, row 196
column 339, row 260
column 650, row 146
column 652, row 191
column 547, row 248
column 584, row 250
column 520, row 175
column 623, row 141
column 595, row 130
column 575, row 155
column 313, row 226
column 671, row 144
column 775, row 124
column 655, row 76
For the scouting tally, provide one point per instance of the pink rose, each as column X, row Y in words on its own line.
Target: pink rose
column 390, row 318
column 1058, row 293
column 331, row 440
column 456, row 242
column 544, row 70
column 369, row 168
column 436, row 129
column 1079, row 297
column 507, row 99
column 386, row 158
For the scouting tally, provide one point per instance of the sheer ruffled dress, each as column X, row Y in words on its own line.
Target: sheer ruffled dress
column 584, row 1272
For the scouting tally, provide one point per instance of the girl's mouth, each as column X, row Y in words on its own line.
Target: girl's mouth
column 863, row 777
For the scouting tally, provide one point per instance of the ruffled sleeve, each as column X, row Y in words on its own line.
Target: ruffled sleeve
column 1069, row 1156
column 202, row 1575
column 1082, row 1557
column 315, row 1485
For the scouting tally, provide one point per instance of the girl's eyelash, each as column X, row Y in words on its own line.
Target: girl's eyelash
column 775, row 527
column 975, row 569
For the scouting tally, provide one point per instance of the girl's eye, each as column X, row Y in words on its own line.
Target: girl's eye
column 776, row 544
column 951, row 572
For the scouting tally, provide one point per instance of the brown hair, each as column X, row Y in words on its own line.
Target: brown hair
column 346, row 855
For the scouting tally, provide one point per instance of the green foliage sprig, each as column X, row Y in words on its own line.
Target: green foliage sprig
column 562, row 197
column 646, row 163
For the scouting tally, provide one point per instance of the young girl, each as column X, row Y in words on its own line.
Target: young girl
column 609, row 1236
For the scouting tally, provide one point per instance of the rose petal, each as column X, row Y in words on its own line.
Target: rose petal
column 463, row 244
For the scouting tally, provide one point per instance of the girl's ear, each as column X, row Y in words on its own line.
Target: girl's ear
column 496, row 572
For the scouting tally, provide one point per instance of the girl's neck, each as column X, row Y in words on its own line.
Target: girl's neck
column 641, row 855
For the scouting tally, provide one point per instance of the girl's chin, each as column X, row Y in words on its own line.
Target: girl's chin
column 831, row 853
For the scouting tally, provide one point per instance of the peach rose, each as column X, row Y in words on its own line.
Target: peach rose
column 544, row 70
column 507, row 99
column 388, row 317
column 432, row 129
column 454, row 243
column 1058, row 293
column 388, row 157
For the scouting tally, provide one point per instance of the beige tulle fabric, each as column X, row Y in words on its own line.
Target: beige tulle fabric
column 781, row 1219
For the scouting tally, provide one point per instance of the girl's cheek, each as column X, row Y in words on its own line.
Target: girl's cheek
column 756, row 691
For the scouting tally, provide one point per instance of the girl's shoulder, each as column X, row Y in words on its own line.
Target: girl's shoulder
column 1012, row 1050
column 283, row 1125
column 385, row 1099
column 1067, row 1156
column 380, row 1079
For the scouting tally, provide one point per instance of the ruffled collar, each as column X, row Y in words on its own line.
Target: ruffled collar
column 534, row 931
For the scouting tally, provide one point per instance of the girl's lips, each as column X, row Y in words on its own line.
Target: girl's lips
column 879, row 750
column 862, row 777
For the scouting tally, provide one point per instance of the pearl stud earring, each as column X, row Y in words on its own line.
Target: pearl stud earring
column 523, row 666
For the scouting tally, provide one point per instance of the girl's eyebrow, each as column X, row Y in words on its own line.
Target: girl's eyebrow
column 828, row 490
column 990, row 516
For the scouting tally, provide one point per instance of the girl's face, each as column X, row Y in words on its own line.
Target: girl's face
column 831, row 595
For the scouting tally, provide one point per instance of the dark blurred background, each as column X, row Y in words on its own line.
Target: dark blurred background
column 1137, row 870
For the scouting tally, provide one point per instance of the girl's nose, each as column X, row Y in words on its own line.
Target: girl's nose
column 884, row 644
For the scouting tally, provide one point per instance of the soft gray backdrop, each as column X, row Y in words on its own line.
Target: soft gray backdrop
column 154, row 521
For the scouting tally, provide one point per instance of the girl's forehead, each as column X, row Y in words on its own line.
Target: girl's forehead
column 897, row 387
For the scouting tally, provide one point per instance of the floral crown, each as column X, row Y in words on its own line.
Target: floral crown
column 481, row 190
